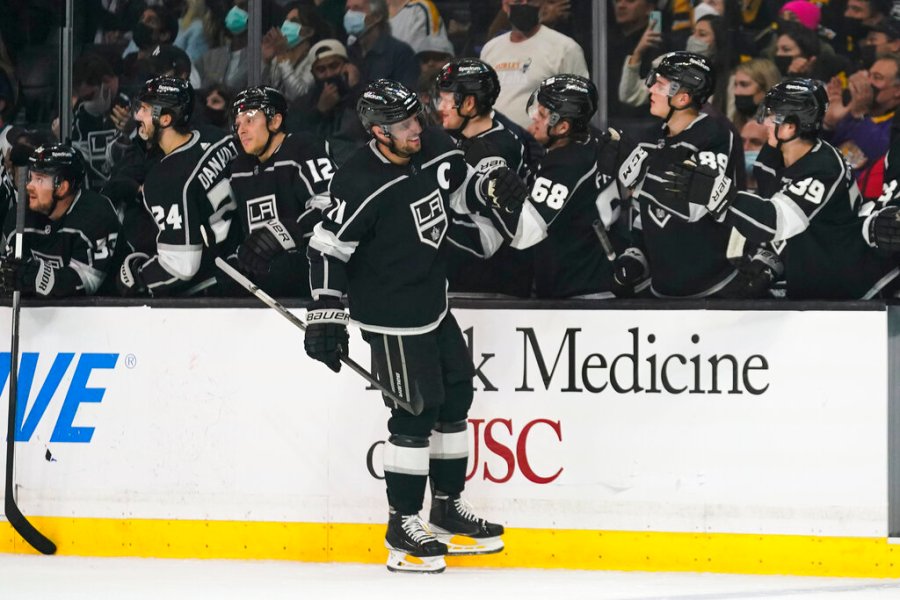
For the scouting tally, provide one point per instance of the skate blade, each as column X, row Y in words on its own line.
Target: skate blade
column 401, row 562
column 462, row 545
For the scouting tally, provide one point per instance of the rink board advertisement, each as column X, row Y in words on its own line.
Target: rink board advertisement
column 630, row 423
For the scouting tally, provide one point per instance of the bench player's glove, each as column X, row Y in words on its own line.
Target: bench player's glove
column 326, row 337
column 128, row 280
column 262, row 245
column 699, row 184
column 755, row 276
column 17, row 275
column 505, row 190
column 884, row 229
column 629, row 269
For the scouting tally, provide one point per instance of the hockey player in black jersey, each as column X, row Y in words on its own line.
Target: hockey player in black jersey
column 280, row 184
column 809, row 209
column 684, row 252
column 70, row 232
column 882, row 226
column 574, row 186
column 466, row 89
column 187, row 193
column 395, row 202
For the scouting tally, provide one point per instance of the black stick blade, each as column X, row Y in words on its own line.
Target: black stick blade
column 35, row 538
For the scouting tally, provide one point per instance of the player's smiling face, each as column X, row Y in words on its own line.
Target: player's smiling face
column 144, row 117
column 252, row 129
column 407, row 135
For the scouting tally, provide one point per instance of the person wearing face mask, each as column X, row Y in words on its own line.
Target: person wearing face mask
column 414, row 21
column 754, row 136
column 227, row 64
column 70, row 232
column 287, row 63
column 527, row 55
column 882, row 39
column 329, row 108
column 751, row 81
column 859, row 17
column 155, row 26
column 372, row 47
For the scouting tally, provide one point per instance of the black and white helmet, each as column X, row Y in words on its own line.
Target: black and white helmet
column 168, row 96
column 267, row 99
column 61, row 161
column 470, row 77
column 686, row 72
column 385, row 102
column 798, row 101
column 566, row 96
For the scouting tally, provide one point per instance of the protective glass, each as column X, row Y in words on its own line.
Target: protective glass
column 764, row 112
column 407, row 128
column 245, row 117
column 444, row 100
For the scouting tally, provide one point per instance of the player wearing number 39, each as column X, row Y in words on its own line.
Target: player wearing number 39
column 395, row 204
column 808, row 203
column 187, row 193
column 685, row 244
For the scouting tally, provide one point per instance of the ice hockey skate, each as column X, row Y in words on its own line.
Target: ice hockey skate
column 412, row 547
column 455, row 525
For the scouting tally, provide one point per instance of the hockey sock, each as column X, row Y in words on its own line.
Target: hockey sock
column 449, row 457
column 406, row 472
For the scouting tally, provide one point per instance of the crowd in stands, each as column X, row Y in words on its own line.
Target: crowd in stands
column 321, row 55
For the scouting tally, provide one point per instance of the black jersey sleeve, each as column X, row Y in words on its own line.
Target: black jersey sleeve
column 789, row 210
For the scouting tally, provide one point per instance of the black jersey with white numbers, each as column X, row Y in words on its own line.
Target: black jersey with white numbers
column 568, row 195
column 290, row 188
column 383, row 240
column 687, row 257
column 73, row 252
column 509, row 271
column 188, row 195
column 811, row 216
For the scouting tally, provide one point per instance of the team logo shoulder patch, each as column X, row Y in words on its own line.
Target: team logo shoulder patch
column 430, row 219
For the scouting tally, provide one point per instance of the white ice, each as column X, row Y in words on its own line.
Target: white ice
column 64, row 578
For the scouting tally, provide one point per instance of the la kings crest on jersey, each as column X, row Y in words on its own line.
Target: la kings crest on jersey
column 430, row 219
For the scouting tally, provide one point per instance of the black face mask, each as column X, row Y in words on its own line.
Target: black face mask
column 524, row 17
column 143, row 34
column 783, row 63
column 867, row 56
column 855, row 28
column 338, row 80
column 215, row 117
column 745, row 105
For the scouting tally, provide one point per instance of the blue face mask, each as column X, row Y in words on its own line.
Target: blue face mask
column 750, row 158
column 354, row 22
column 291, row 32
column 236, row 20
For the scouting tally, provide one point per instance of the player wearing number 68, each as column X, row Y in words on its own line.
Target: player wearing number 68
column 807, row 203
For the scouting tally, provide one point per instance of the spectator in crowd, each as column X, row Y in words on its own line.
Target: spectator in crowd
column 435, row 53
column 195, row 29
column 862, row 127
column 754, row 136
column 156, row 26
column 9, row 88
column 637, row 41
column 285, row 51
column 70, row 232
column 215, row 103
column 803, row 12
column 329, row 108
column 227, row 64
column 859, row 17
column 752, row 80
column 415, row 21
column 882, row 39
column 172, row 61
column 527, row 55
column 796, row 50
column 373, row 49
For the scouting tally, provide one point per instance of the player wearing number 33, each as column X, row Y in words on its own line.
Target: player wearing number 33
column 187, row 193
column 808, row 206
column 70, row 232
column 395, row 203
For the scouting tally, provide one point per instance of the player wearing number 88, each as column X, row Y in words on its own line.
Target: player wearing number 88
column 808, row 205
column 280, row 184
column 186, row 193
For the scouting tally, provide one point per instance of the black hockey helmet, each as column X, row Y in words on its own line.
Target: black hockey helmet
column 61, row 161
column 687, row 72
column 470, row 77
column 801, row 102
column 569, row 97
column 168, row 95
column 267, row 99
column 385, row 102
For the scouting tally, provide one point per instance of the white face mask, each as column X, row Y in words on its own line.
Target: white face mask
column 698, row 46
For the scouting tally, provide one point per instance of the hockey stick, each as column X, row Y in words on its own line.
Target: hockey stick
column 15, row 517
column 605, row 242
column 272, row 303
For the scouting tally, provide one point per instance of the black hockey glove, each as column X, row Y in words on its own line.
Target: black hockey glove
column 17, row 275
column 629, row 269
column 129, row 281
column 262, row 245
column 884, row 229
column 608, row 153
column 326, row 332
column 700, row 184
column 505, row 190
column 755, row 276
